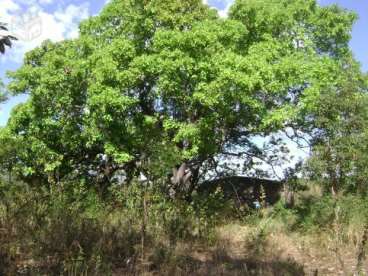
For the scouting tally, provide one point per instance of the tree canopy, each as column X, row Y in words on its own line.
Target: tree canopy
column 149, row 85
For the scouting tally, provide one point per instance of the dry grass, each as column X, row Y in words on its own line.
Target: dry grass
column 284, row 253
column 244, row 249
column 64, row 240
column 258, row 250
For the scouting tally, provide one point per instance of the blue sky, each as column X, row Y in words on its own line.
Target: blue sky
column 58, row 19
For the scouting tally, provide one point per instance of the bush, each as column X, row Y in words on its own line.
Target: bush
column 69, row 229
column 60, row 234
column 315, row 213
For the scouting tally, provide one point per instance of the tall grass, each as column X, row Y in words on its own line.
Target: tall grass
column 70, row 230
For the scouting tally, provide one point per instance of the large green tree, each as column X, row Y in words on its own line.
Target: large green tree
column 150, row 85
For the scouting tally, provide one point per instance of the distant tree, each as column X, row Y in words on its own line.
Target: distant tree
column 152, row 85
column 2, row 92
column 5, row 38
column 340, row 134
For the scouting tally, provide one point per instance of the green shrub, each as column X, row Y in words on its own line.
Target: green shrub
column 315, row 213
column 63, row 231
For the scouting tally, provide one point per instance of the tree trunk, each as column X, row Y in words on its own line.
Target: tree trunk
column 289, row 196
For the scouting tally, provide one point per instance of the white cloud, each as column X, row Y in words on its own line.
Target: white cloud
column 35, row 25
column 224, row 12
column 45, row 2
column 7, row 7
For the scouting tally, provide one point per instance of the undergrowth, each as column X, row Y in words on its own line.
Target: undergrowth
column 70, row 230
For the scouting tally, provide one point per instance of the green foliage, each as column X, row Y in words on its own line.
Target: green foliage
column 338, row 160
column 150, row 85
column 315, row 214
column 174, row 76
column 285, row 215
column 69, row 229
column 2, row 92
column 62, row 231
column 312, row 25
column 178, row 220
